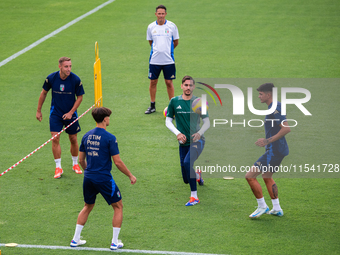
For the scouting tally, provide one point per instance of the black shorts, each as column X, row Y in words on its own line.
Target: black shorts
column 108, row 189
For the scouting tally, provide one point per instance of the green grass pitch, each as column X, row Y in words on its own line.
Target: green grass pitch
column 278, row 40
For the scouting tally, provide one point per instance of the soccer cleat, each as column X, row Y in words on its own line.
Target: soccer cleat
column 150, row 110
column 192, row 201
column 117, row 246
column 199, row 177
column 276, row 213
column 58, row 172
column 75, row 244
column 258, row 212
column 77, row 169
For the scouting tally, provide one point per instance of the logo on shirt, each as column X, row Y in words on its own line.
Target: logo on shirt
column 62, row 87
column 154, row 32
column 118, row 193
column 179, row 107
column 167, row 31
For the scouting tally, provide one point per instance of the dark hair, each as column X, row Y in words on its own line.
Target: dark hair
column 100, row 113
column 266, row 87
column 187, row 77
column 160, row 7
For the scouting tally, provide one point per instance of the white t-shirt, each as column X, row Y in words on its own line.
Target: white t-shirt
column 162, row 37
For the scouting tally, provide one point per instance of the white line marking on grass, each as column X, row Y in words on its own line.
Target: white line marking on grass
column 106, row 249
column 4, row 62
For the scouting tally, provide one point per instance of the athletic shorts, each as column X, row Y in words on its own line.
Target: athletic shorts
column 108, row 189
column 269, row 162
column 169, row 71
column 57, row 124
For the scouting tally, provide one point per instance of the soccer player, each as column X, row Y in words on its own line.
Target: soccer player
column 96, row 150
column 163, row 37
column 189, row 134
column 276, row 127
column 67, row 95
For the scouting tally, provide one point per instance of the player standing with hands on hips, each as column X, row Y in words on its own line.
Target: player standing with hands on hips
column 163, row 37
column 96, row 150
column 276, row 127
column 189, row 134
column 67, row 95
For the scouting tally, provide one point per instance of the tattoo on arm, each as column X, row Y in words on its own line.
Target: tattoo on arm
column 275, row 191
column 268, row 141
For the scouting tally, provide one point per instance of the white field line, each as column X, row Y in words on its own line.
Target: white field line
column 54, row 33
column 106, row 249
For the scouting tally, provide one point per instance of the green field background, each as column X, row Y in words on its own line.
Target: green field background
column 234, row 40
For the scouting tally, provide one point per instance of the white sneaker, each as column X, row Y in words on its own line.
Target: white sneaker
column 117, row 246
column 276, row 213
column 75, row 244
column 258, row 212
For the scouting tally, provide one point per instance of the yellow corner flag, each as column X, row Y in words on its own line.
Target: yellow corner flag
column 98, row 96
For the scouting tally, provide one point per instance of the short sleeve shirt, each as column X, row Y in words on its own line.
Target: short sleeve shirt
column 162, row 37
column 99, row 146
column 63, row 92
column 272, row 127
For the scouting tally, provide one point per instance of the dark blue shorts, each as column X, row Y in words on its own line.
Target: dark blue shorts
column 57, row 124
column 269, row 162
column 169, row 71
column 108, row 189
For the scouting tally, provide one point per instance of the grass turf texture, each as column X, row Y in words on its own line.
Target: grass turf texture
column 239, row 39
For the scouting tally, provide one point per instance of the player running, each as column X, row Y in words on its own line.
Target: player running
column 276, row 127
column 189, row 134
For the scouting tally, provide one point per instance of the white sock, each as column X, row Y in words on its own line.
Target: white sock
column 261, row 203
column 194, row 194
column 75, row 160
column 57, row 162
column 77, row 233
column 115, row 235
column 276, row 204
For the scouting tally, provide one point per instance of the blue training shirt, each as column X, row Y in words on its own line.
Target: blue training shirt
column 272, row 127
column 99, row 146
column 63, row 92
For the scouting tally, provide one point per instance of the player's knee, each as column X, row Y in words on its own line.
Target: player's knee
column 73, row 139
column 186, row 165
column 118, row 206
column 169, row 83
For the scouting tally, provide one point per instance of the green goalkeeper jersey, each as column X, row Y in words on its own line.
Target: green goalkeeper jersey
column 187, row 121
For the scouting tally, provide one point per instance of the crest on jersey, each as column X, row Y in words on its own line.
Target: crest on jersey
column 62, row 87
column 167, row 31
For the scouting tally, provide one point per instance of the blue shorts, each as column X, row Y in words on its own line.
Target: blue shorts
column 108, row 189
column 169, row 71
column 57, row 123
column 269, row 162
